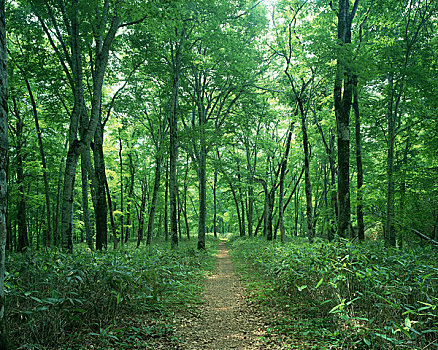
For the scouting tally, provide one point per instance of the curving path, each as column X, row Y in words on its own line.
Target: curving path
column 227, row 320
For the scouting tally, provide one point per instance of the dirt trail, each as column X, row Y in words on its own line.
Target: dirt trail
column 227, row 320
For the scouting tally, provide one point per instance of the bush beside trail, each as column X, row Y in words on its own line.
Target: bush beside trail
column 104, row 299
column 348, row 295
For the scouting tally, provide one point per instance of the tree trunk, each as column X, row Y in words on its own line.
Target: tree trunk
column 215, row 203
column 282, row 176
column 4, row 145
column 23, row 240
column 68, row 199
column 250, row 169
column 48, row 236
column 389, row 224
column 85, row 209
column 152, row 209
column 250, row 213
column 202, row 192
column 173, row 124
column 101, row 208
column 403, row 194
column 185, row 199
column 236, row 202
column 130, row 197
column 343, row 92
column 141, row 215
column 359, row 209
column 267, row 213
column 178, row 197
column 122, row 237
column 111, row 215
column 166, row 201
column 307, row 182
column 76, row 147
column 56, row 231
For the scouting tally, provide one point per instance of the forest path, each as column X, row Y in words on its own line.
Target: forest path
column 228, row 320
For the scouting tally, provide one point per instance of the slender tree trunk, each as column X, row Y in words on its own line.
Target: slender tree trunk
column 173, row 123
column 141, row 215
column 85, row 209
column 215, row 203
column 56, row 231
column 250, row 208
column 282, row 176
column 179, row 215
column 152, row 209
column 111, row 215
column 185, row 199
column 242, row 205
column 130, row 196
column 23, row 240
column 4, row 145
column 267, row 213
column 202, row 193
column 122, row 237
column 297, row 210
column 403, row 194
column 242, row 201
column 389, row 224
column 333, row 194
column 277, row 225
column 236, row 202
column 48, row 237
column 166, row 201
column 101, row 207
column 259, row 224
column 359, row 209
column 250, row 169
column 9, row 239
column 343, row 92
column 307, row 182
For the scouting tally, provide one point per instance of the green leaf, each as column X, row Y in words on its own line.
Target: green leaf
column 301, row 288
column 408, row 322
column 319, row 283
column 36, row 299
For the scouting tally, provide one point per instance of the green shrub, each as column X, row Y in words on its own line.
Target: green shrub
column 52, row 297
column 369, row 295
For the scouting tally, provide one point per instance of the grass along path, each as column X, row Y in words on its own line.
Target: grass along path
column 227, row 320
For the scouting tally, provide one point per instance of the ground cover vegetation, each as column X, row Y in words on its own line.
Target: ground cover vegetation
column 343, row 295
column 121, row 300
column 126, row 124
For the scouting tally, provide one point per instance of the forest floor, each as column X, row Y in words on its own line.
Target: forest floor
column 228, row 319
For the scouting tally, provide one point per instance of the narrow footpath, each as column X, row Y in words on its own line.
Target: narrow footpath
column 227, row 319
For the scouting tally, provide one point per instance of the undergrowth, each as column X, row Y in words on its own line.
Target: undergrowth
column 110, row 299
column 343, row 295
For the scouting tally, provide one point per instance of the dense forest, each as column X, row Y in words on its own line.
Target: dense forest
column 135, row 135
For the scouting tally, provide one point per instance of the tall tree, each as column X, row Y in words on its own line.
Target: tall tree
column 343, row 94
column 4, row 146
column 66, row 27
